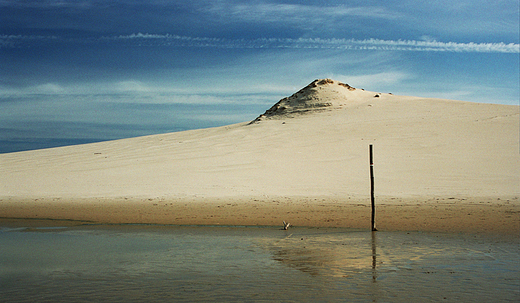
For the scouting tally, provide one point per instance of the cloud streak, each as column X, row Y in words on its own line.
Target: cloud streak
column 150, row 40
column 319, row 43
column 300, row 14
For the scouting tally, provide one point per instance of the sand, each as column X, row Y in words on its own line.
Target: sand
column 439, row 164
column 478, row 216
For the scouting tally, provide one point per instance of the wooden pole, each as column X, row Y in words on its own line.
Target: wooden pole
column 372, row 198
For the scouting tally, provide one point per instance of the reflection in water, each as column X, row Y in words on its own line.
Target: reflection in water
column 374, row 290
column 328, row 254
column 303, row 254
column 431, row 267
column 207, row 264
column 374, row 257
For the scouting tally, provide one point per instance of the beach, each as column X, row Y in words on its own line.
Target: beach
column 440, row 165
column 476, row 216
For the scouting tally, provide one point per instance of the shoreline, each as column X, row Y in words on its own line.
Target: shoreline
column 484, row 215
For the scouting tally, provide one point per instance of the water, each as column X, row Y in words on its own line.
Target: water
column 251, row 264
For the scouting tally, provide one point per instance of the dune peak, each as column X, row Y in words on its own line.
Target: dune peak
column 319, row 95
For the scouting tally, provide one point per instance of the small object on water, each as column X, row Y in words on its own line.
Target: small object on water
column 286, row 225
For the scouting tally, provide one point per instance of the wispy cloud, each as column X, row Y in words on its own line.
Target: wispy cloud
column 132, row 91
column 319, row 43
column 378, row 79
column 13, row 41
column 292, row 13
column 45, row 3
column 149, row 40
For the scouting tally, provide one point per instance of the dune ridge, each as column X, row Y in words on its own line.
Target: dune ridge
column 310, row 146
column 310, row 99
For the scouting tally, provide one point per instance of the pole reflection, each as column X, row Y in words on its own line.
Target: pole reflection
column 374, row 257
column 374, row 286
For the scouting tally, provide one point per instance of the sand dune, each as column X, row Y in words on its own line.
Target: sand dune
column 311, row 144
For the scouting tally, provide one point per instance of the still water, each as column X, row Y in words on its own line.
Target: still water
column 251, row 264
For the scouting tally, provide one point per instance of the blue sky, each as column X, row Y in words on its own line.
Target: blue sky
column 84, row 71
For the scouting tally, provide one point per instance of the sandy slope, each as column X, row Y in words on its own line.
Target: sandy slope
column 312, row 144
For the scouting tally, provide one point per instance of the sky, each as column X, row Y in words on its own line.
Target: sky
column 81, row 71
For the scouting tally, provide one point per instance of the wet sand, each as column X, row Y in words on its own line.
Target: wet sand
column 458, row 215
